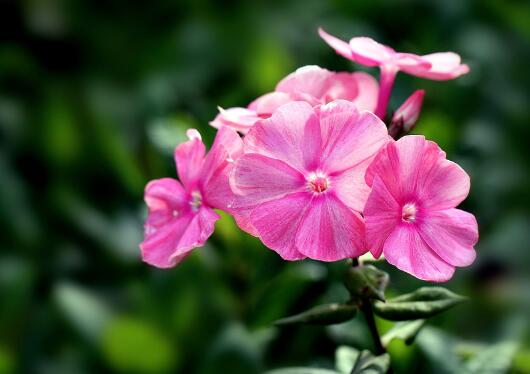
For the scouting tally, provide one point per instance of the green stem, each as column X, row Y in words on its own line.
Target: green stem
column 366, row 309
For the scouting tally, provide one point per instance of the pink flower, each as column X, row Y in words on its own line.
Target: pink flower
column 368, row 52
column 309, row 83
column 181, row 215
column 410, row 215
column 300, row 180
column 407, row 114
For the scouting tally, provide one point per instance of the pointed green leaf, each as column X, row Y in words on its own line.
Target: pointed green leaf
column 366, row 282
column 327, row 314
column 367, row 363
column 423, row 303
column 406, row 331
column 301, row 370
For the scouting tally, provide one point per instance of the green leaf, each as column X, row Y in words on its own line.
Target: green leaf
column 366, row 282
column 302, row 370
column 345, row 358
column 495, row 359
column 327, row 314
column 133, row 345
column 423, row 303
column 369, row 364
column 87, row 312
column 405, row 330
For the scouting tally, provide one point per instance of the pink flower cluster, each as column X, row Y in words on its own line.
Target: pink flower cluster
column 319, row 175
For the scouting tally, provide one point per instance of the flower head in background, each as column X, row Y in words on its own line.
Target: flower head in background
column 410, row 213
column 311, row 84
column 368, row 52
column 181, row 215
column 300, row 182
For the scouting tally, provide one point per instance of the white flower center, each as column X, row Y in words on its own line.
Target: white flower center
column 317, row 182
column 196, row 200
column 408, row 212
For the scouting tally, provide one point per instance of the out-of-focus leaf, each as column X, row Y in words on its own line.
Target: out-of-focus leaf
column 302, row 370
column 423, row 303
column 132, row 345
column 405, row 330
column 367, row 363
column 367, row 282
column 61, row 136
column 7, row 362
column 237, row 350
column 438, row 347
column 328, row 314
column 345, row 358
column 86, row 311
column 274, row 300
column 167, row 133
column 495, row 359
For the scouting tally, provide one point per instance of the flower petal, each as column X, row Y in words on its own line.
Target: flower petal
column 160, row 245
column 349, row 136
column 350, row 187
column 291, row 135
column 451, row 234
column 330, row 231
column 258, row 179
column 368, row 91
column 189, row 157
column 430, row 178
column 217, row 166
column 386, row 166
column 277, row 222
column 406, row 250
column 444, row 66
column 340, row 46
column 382, row 215
column 171, row 243
column 368, row 52
column 265, row 105
column 311, row 80
column 240, row 119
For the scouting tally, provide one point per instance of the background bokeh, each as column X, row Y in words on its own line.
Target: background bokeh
column 95, row 95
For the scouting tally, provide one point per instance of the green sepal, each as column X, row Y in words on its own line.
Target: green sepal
column 366, row 282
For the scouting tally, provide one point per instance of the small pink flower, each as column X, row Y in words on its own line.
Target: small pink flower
column 300, row 182
column 368, row 52
column 407, row 114
column 410, row 213
column 309, row 83
column 181, row 215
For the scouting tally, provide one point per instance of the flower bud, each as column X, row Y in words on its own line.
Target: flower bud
column 407, row 114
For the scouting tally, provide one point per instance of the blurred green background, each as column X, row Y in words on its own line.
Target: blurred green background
column 95, row 95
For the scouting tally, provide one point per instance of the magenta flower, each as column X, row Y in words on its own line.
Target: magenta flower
column 410, row 213
column 309, row 83
column 368, row 52
column 300, row 180
column 181, row 215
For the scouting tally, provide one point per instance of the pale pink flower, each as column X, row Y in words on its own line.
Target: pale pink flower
column 312, row 84
column 181, row 215
column 406, row 116
column 368, row 52
column 410, row 213
column 300, row 182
